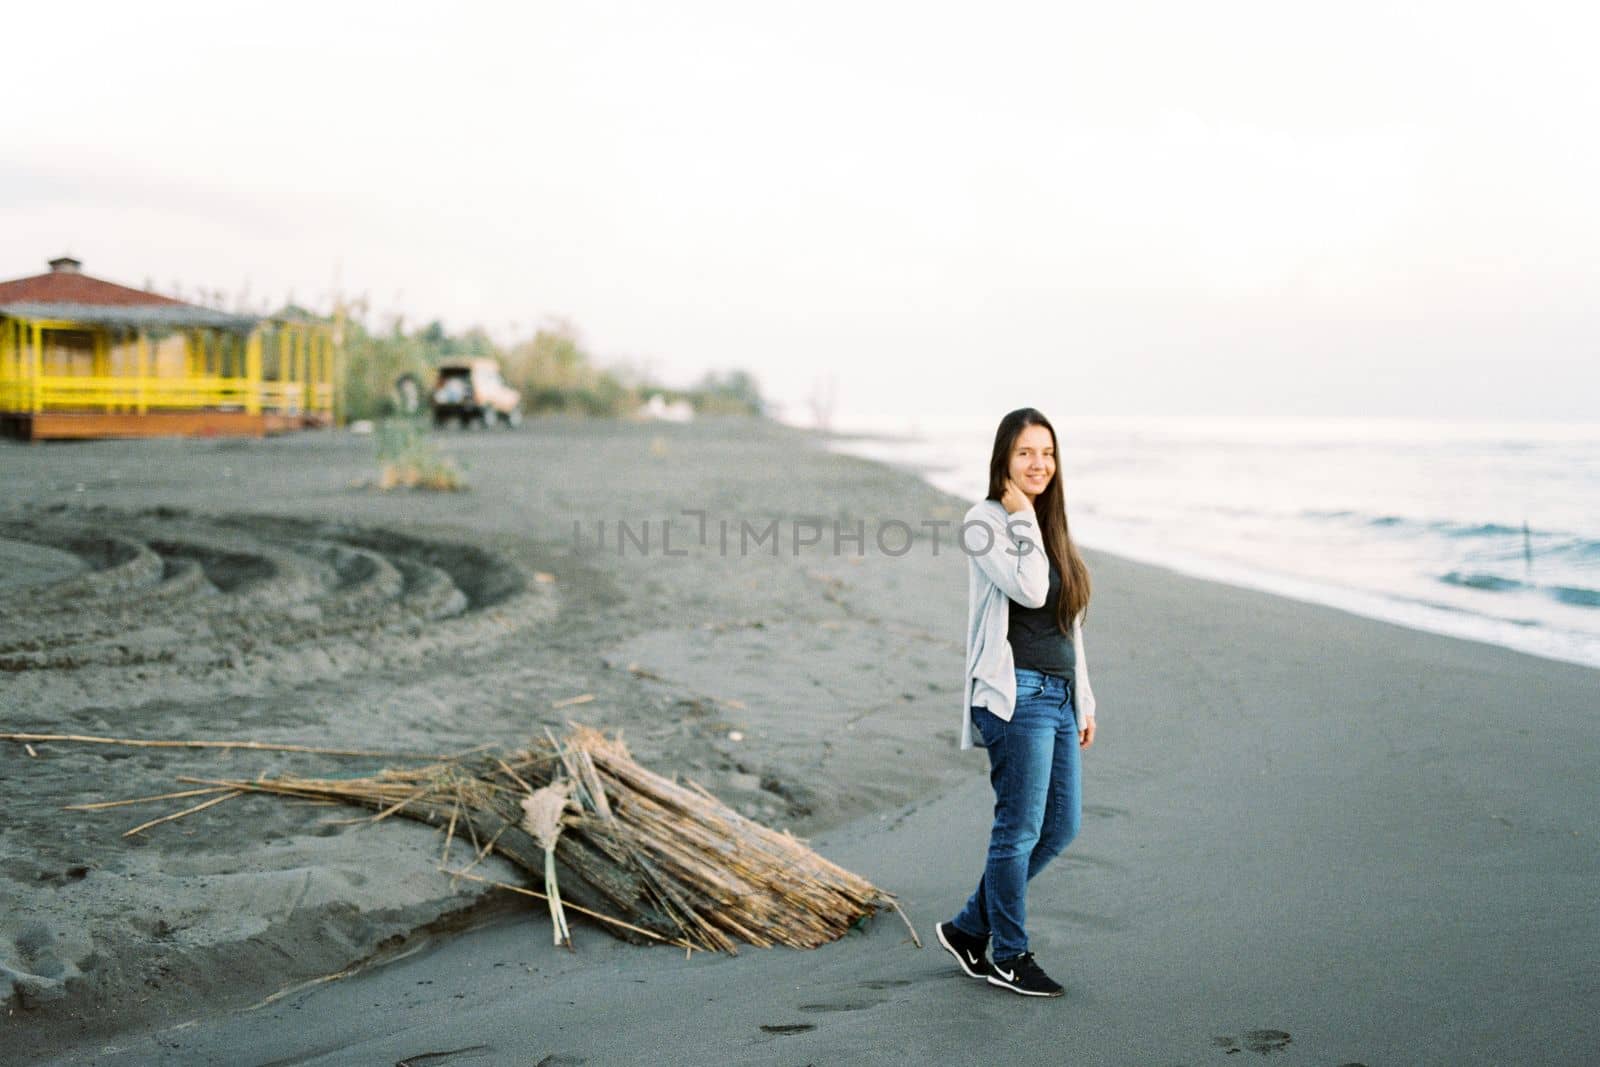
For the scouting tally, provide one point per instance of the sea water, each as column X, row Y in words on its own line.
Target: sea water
column 1489, row 531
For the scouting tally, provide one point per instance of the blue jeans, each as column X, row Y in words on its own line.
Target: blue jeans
column 1035, row 769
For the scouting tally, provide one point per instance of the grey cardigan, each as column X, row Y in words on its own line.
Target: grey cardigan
column 1008, row 562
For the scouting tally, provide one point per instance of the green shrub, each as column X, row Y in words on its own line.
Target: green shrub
column 408, row 458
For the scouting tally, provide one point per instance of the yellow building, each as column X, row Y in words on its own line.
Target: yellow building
column 82, row 357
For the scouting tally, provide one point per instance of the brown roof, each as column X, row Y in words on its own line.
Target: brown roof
column 69, row 287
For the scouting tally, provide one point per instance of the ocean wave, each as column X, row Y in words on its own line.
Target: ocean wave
column 1576, row 595
column 1582, row 547
column 1481, row 529
column 1492, row 583
column 1447, row 527
column 1554, row 541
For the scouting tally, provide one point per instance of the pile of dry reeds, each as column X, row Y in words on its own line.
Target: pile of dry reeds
column 651, row 858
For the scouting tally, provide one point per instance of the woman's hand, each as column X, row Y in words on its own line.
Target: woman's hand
column 1014, row 499
column 1086, row 735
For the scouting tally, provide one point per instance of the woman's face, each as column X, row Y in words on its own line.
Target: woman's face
column 1033, row 460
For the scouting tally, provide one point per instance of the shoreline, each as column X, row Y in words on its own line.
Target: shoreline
column 1232, row 732
column 1411, row 611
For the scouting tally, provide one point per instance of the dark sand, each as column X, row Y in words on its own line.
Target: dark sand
column 1311, row 837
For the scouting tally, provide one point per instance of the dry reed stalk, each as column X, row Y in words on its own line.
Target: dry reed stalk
column 592, row 914
column 685, row 867
column 102, row 805
column 513, row 774
column 488, row 846
column 186, row 811
column 386, row 812
column 758, row 864
column 450, row 834
column 542, row 809
column 254, row 746
column 591, row 781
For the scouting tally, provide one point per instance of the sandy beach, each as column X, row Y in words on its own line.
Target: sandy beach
column 1312, row 837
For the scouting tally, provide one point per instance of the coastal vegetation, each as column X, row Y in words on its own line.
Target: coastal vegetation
column 553, row 370
column 409, row 459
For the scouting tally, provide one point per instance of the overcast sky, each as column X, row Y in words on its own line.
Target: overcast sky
column 1131, row 207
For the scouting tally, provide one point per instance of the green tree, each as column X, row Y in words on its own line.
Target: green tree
column 733, row 393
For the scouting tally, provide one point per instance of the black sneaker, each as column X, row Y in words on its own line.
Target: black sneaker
column 1021, row 975
column 968, row 950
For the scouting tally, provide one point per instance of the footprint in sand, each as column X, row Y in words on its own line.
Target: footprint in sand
column 861, row 1004
column 1261, row 1042
column 1104, row 811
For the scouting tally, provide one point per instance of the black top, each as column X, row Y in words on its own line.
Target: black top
column 1037, row 643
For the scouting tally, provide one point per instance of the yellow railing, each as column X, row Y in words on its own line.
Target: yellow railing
column 298, row 373
column 69, row 391
column 297, row 396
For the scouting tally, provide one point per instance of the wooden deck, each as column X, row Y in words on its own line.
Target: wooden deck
column 89, row 425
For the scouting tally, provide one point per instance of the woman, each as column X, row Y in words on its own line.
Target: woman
column 1027, row 696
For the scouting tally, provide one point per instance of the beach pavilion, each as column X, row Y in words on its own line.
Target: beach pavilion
column 82, row 357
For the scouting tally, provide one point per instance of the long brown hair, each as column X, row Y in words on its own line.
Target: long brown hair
column 1050, row 506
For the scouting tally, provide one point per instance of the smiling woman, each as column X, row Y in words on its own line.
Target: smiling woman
column 1027, row 695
